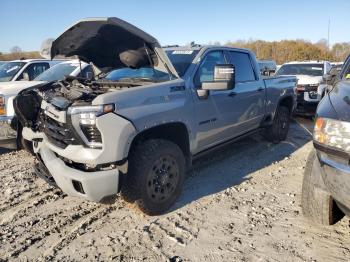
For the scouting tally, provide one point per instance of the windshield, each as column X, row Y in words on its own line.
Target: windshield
column 57, row 72
column 9, row 70
column 181, row 59
column 301, row 69
column 143, row 73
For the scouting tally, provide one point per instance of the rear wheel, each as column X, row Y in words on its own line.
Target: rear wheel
column 278, row 131
column 156, row 175
column 317, row 204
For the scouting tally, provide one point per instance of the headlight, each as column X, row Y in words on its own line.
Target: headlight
column 88, row 114
column 84, row 121
column 333, row 133
column 2, row 106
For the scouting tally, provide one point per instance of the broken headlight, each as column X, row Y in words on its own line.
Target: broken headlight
column 333, row 133
column 84, row 121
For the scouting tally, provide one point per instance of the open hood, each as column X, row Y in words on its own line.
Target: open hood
column 111, row 43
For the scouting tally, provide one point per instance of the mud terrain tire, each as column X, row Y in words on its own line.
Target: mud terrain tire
column 156, row 175
column 278, row 131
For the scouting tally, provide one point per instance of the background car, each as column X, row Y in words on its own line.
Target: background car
column 309, row 75
column 26, row 69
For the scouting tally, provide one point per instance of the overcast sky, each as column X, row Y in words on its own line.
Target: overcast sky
column 27, row 23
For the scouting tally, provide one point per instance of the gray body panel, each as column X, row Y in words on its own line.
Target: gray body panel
column 210, row 121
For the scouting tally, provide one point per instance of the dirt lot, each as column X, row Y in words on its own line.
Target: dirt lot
column 242, row 203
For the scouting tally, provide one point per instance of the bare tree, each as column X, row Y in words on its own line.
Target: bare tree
column 15, row 50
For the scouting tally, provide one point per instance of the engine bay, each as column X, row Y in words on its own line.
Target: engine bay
column 72, row 91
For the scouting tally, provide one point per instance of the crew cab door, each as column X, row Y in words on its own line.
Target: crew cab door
column 226, row 114
column 248, row 96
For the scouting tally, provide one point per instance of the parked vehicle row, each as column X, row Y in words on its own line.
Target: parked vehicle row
column 139, row 134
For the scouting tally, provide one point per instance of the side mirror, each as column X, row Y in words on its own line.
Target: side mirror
column 224, row 78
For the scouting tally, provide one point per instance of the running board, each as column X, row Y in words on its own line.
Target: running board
column 224, row 144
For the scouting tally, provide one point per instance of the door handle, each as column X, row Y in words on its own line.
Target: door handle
column 232, row 94
column 260, row 89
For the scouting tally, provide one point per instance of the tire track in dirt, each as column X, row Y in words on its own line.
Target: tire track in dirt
column 41, row 228
column 77, row 229
column 21, row 208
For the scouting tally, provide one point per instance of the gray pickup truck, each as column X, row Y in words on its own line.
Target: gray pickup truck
column 138, row 134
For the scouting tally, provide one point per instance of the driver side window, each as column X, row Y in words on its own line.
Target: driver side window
column 205, row 72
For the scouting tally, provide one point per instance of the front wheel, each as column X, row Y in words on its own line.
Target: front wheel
column 278, row 131
column 317, row 204
column 156, row 175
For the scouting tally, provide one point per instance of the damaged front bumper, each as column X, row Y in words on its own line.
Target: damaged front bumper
column 8, row 135
column 94, row 186
column 82, row 171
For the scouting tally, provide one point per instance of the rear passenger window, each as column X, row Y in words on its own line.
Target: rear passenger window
column 244, row 69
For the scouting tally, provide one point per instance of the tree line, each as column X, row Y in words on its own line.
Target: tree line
column 295, row 50
column 17, row 53
column 280, row 51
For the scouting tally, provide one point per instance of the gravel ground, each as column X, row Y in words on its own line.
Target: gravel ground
column 241, row 203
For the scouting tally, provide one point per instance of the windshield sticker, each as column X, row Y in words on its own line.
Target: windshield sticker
column 182, row 52
column 317, row 68
column 347, row 76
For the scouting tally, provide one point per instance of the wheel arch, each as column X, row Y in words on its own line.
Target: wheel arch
column 287, row 101
column 176, row 132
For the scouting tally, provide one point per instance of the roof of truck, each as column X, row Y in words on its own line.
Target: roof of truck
column 197, row 47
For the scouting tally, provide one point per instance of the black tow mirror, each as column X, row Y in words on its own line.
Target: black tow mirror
column 224, row 78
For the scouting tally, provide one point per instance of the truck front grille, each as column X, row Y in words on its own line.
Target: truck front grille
column 58, row 133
